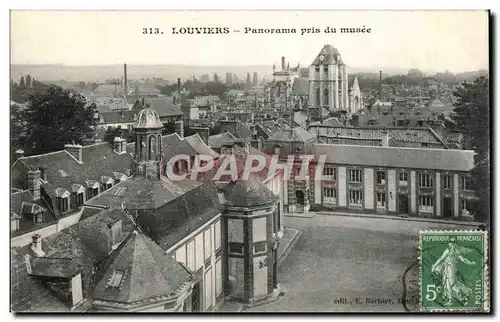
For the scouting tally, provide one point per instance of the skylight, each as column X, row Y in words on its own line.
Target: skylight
column 120, row 191
column 116, row 278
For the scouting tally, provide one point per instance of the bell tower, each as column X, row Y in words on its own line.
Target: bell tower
column 148, row 148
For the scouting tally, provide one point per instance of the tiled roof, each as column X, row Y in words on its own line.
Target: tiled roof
column 147, row 272
column 54, row 267
column 165, row 107
column 22, row 204
column 199, row 146
column 248, row 194
column 143, row 193
column 216, row 141
column 404, row 136
column 28, row 293
column 98, row 160
column 414, row 158
column 172, row 144
column 183, row 215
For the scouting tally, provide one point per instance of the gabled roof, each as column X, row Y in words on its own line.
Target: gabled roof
column 199, row 146
column 165, row 107
column 148, row 272
column 414, row 158
column 216, row 141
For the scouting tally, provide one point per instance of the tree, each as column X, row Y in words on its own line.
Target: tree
column 472, row 117
column 28, row 80
column 21, row 82
column 113, row 132
column 55, row 118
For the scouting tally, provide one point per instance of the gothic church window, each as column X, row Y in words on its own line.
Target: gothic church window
column 325, row 98
column 318, row 94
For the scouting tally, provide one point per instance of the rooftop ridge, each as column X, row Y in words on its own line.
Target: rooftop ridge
column 41, row 155
column 391, row 147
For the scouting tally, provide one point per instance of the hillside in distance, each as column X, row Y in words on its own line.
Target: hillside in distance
column 172, row 72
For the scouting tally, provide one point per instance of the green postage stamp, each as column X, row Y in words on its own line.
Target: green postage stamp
column 454, row 271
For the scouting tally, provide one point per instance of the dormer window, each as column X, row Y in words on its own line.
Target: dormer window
column 39, row 217
column 64, row 204
column 116, row 278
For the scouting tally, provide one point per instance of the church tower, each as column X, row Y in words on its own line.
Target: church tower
column 148, row 148
column 328, row 86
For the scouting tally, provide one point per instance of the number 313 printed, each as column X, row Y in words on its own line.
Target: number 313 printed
column 151, row 31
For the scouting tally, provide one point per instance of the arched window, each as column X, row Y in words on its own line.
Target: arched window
column 325, row 97
column 152, row 148
column 318, row 93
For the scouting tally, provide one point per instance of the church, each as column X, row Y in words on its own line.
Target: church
column 329, row 85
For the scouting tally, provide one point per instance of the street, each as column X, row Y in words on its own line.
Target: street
column 348, row 264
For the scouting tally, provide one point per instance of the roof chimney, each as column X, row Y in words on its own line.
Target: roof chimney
column 19, row 153
column 283, row 63
column 125, row 78
column 385, row 139
column 36, row 245
column 75, row 150
column 179, row 84
column 34, row 177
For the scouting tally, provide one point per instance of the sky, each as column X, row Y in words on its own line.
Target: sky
column 429, row 40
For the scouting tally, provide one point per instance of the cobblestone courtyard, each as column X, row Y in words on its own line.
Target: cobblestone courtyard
column 348, row 264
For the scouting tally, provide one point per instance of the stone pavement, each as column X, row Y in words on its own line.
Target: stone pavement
column 430, row 220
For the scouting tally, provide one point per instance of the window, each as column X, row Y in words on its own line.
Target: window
column 217, row 235
column 116, row 278
column 381, row 199
column 447, row 181
column 190, row 256
column 318, row 94
column 260, row 248
column 14, row 224
column 317, row 69
column 325, row 97
column 426, row 203
column 325, row 68
column 63, row 204
column 355, row 175
column 425, row 180
column 403, row 178
column 329, row 171
column 355, row 197
column 236, row 248
column 208, row 289
column 330, row 195
column 108, row 186
column 380, row 177
column 465, row 183
column 39, row 218
column 208, row 243
column 79, row 199
column 218, row 277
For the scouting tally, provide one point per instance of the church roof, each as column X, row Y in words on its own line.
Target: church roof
column 300, row 86
column 330, row 56
column 139, row 270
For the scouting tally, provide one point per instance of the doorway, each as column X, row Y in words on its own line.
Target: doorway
column 299, row 201
column 447, row 209
column 403, row 204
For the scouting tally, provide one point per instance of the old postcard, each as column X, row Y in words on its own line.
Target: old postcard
column 250, row 161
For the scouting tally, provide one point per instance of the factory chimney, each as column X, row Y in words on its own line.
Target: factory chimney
column 125, row 78
column 380, row 75
column 283, row 63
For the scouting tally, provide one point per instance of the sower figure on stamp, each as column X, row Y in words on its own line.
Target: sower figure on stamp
column 446, row 267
